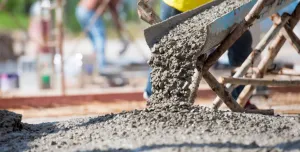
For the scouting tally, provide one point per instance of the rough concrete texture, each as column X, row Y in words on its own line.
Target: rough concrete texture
column 170, row 123
column 193, row 129
column 174, row 58
column 9, row 122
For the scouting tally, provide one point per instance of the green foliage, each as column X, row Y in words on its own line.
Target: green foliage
column 18, row 6
column 20, row 10
column 8, row 22
column 15, row 11
column 70, row 17
column 128, row 13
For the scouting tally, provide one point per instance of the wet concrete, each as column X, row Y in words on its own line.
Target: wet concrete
column 170, row 123
column 174, row 57
column 9, row 122
column 192, row 129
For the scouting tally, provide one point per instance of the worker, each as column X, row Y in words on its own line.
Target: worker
column 239, row 51
column 96, row 32
column 85, row 12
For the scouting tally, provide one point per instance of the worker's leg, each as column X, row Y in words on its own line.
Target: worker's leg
column 238, row 53
column 96, row 34
column 166, row 12
column 99, row 36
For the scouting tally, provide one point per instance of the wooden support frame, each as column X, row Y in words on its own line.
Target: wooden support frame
column 221, row 90
column 197, row 78
column 146, row 13
column 277, row 26
column 269, row 58
column 263, row 112
column 292, row 38
column 235, row 34
column 260, row 82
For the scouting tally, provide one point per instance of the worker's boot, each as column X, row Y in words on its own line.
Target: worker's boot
column 250, row 106
column 117, row 81
column 114, row 76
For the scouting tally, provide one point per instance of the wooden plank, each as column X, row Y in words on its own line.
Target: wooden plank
column 221, row 91
column 260, row 82
column 292, row 38
column 146, row 13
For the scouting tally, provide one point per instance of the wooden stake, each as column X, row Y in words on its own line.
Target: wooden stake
column 291, row 38
column 268, row 59
column 60, row 37
column 197, row 78
column 255, row 54
column 269, row 112
column 146, row 13
column 222, row 92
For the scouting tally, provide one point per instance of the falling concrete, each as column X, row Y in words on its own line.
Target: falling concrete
column 174, row 57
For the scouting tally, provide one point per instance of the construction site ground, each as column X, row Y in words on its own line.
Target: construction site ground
column 90, row 126
column 283, row 103
column 194, row 129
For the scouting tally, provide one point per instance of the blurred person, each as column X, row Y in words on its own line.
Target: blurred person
column 237, row 54
column 39, row 33
column 85, row 11
column 39, row 25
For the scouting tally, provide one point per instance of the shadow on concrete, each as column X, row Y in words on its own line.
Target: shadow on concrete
column 295, row 145
column 97, row 120
column 19, row 140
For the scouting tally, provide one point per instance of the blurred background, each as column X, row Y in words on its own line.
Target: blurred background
column 49, row 67
column 27, row 24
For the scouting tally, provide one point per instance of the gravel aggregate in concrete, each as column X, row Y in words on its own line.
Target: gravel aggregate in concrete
column 174, row 57
column 170, row 123
column 192, row 129
column 9, row 122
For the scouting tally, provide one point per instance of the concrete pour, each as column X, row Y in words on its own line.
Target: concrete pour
column 174, row 58
column 170, row 123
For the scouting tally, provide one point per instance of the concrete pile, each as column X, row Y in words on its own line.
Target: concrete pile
column 170, row 123
column 193, row 129
column 9, row 122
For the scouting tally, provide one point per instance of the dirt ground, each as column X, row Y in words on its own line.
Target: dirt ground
column 61, row 113
column 92, row 127
column 284, row 103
